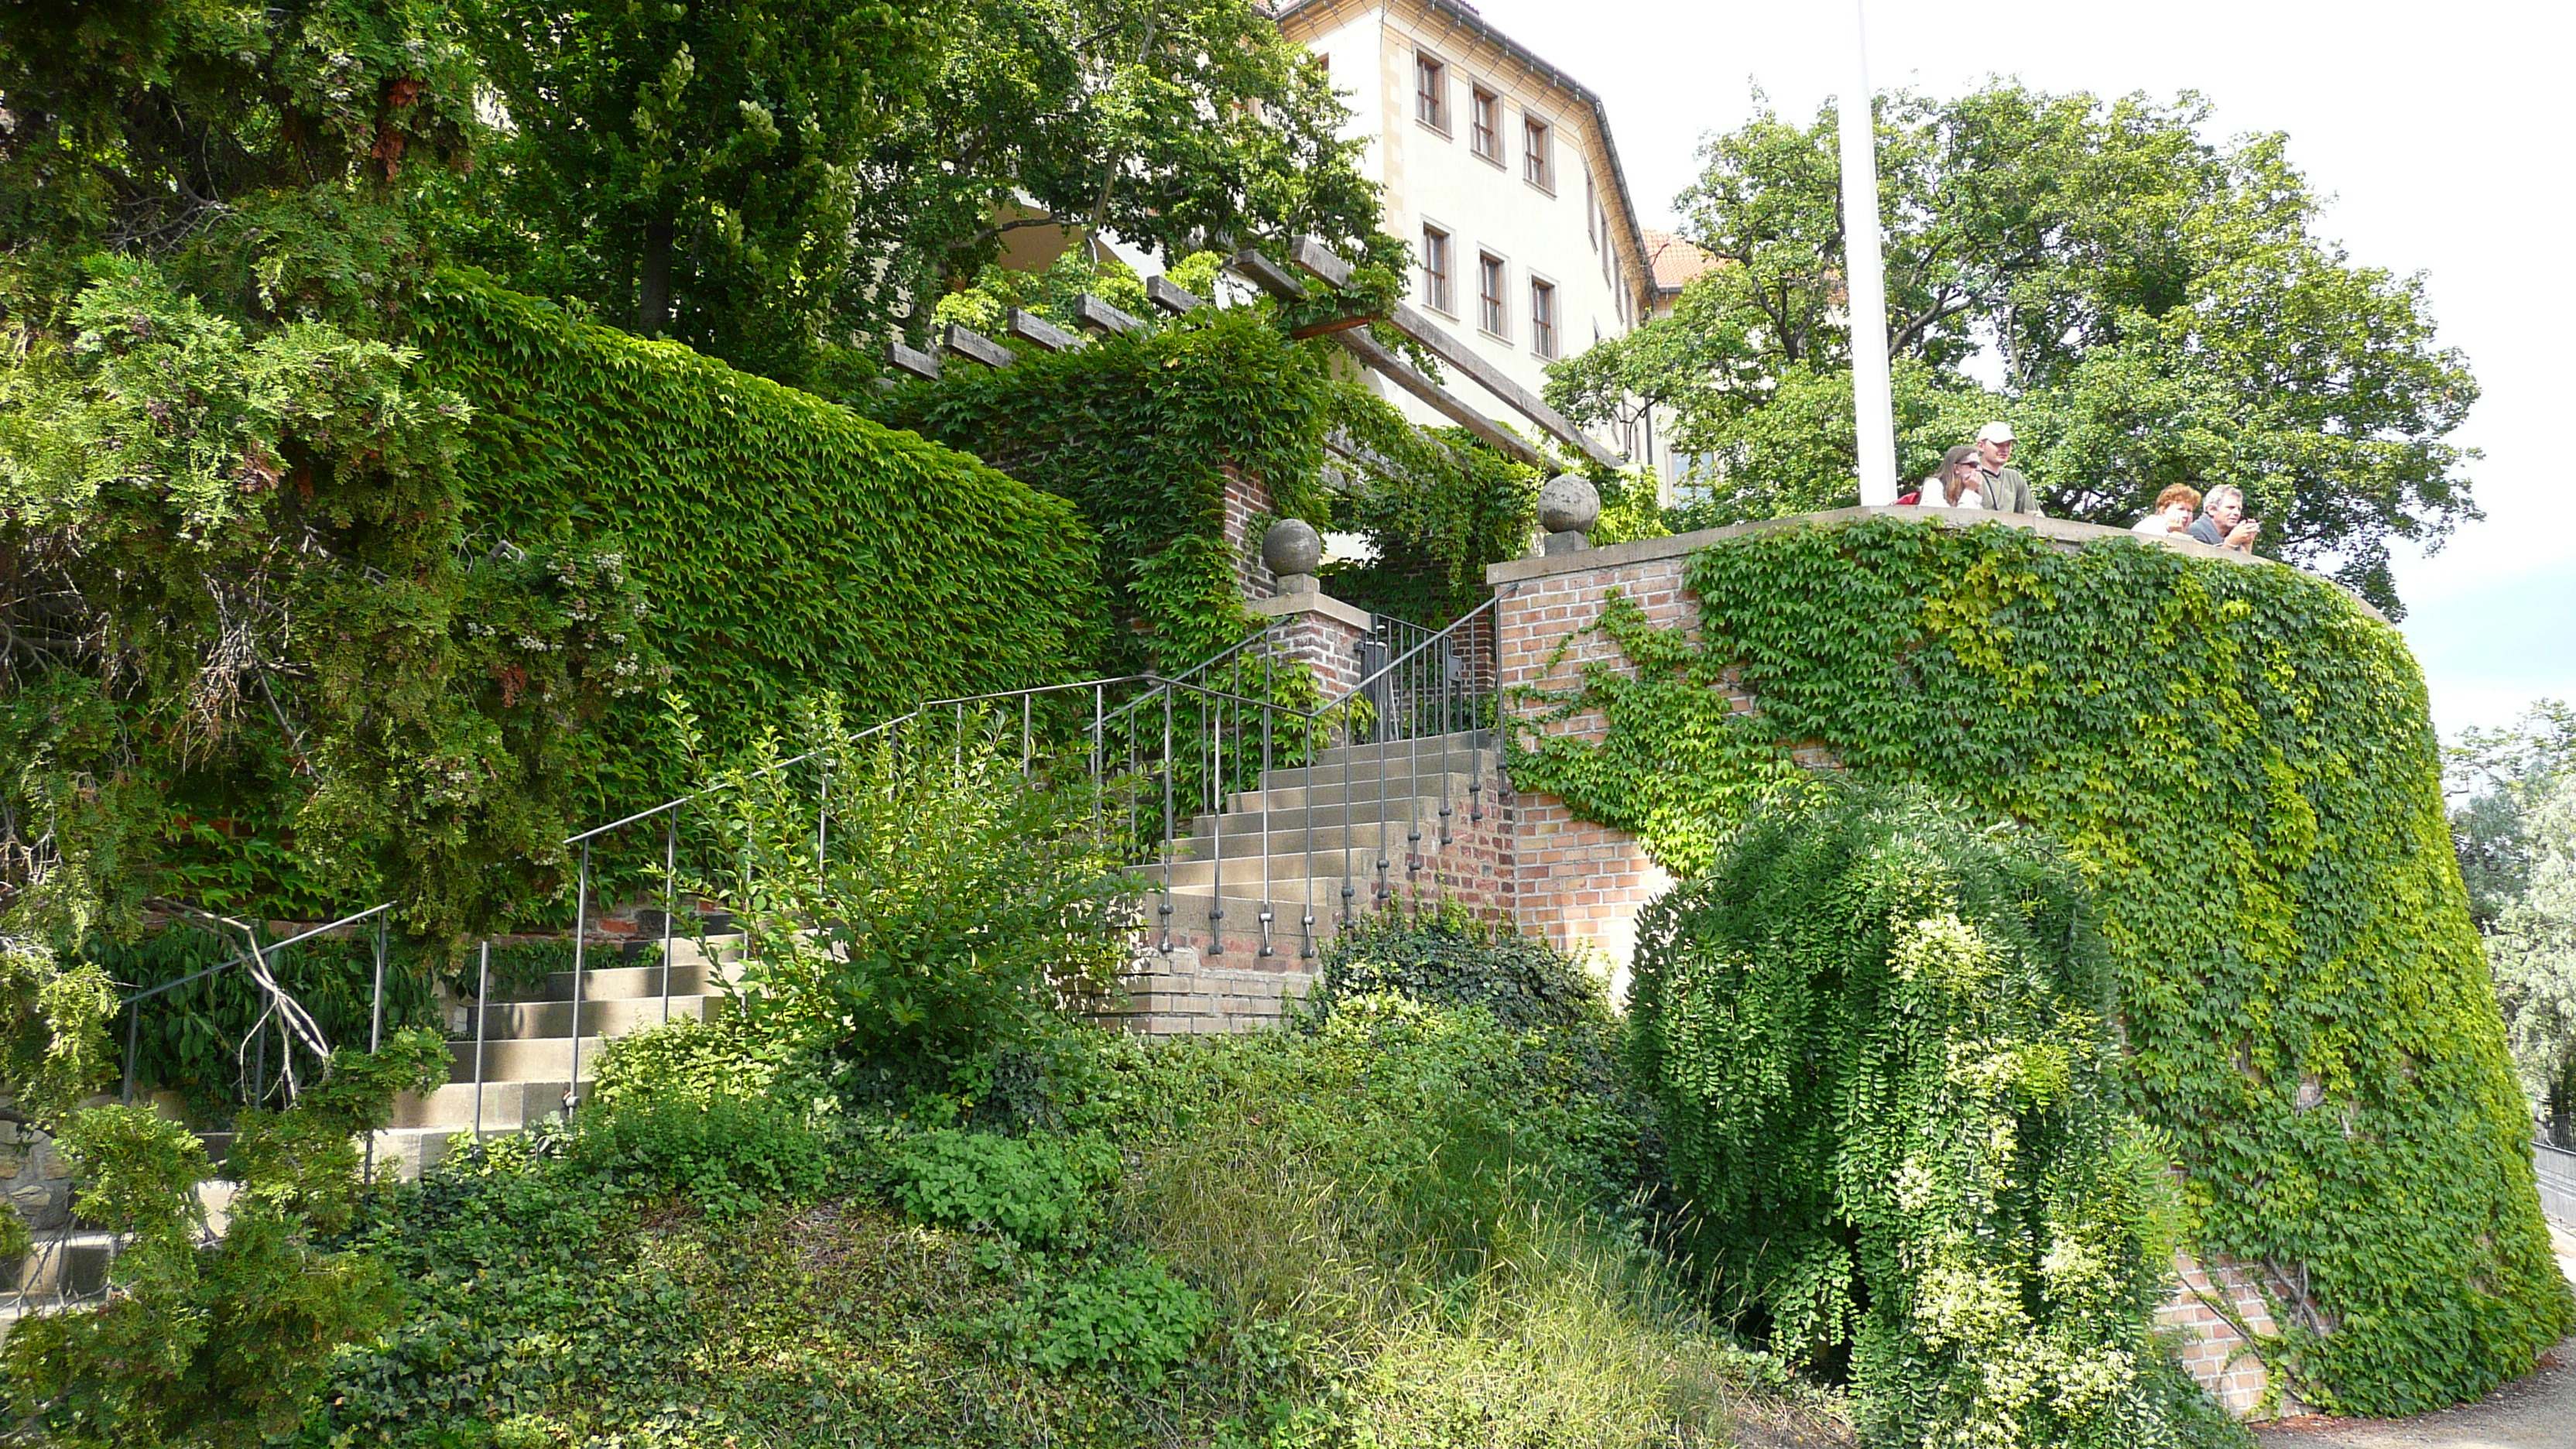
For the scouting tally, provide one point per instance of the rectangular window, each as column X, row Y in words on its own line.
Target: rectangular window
column 1431, row 93
column 1435, row 271
column 1591, row 211
column 1493, row 315
column 1484, row 125
column 1534, row 159
column 1543, row 318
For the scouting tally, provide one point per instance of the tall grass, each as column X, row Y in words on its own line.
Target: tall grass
column 1441, row 1281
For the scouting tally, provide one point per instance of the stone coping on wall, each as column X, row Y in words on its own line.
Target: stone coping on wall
column 2057, row 530
column 1281, row 605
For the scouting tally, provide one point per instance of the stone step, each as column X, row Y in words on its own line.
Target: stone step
column 614, row 1016
column 1455, row 742
column 690, row 975
column 1362, row 797
column 540, row 1059
column 1286, row 875
column 507, row 1105
column 65, row 1264
column 1292, row 831
column 1400, row 766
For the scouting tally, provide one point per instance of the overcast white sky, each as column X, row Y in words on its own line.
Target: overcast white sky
column 2438, row 130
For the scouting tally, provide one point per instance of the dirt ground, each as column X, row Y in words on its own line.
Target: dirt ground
column 2538, row 1412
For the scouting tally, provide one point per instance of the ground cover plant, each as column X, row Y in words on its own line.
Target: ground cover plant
column 2237, row 760
column 1394, row 1223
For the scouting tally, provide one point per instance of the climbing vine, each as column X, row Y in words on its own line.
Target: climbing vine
column 787, row 546
column 2239, row 761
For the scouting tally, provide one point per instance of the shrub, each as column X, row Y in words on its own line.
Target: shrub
column 1033, row 1190
column 227, row 1342
column 960, row 903
column 2238, row 761
column 1880, row 1034
column 1134, row 1316
column 728, row 1153
column 1449, row 959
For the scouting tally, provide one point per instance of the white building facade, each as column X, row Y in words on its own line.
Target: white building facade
column 1500, row 172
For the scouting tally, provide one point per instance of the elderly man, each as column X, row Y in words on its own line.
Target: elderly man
column 2006, row 491
column 2222, row 520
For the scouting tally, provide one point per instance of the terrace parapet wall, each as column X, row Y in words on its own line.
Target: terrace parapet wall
column 1581, row 884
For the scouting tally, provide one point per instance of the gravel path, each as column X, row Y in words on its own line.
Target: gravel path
column 2538, row 1412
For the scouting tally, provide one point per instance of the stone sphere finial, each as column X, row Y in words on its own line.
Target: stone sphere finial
column 1292, row 546
column 1568, row 506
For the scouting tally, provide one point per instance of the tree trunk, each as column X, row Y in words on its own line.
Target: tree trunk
column 653, row 299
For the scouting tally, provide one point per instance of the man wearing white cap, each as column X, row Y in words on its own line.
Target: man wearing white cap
column 2006, row 490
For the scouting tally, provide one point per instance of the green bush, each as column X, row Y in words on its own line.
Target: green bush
column 1881, row 1037
column 2238, row 761
column 1137, row 431
column 189, row 1039
column 1034, row 1191
column 729, row 1154
column 226, row 1342
column 788, row 545
column 1450, row 959
column 960, row 906
column 1134, row 1316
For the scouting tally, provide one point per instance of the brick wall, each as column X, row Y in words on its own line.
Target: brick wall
column 1581, row 885
column 1247, row 499
column 1575, row 883
column 2215, row 1352
column 1177, row 993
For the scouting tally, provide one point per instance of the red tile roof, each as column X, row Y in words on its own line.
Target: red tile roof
column 1674, row 260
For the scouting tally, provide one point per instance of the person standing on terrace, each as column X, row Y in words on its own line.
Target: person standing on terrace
column 2223, row 523
column 2005, row 490
column 2172, row 515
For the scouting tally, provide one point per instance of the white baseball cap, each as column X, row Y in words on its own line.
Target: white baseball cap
column 1997, row 432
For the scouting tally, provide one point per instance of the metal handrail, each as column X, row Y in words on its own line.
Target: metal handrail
column 1228, row 719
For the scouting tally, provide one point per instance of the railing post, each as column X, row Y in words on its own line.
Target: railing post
column 1165, row 909
column 375, row 1042
column 1263, row 785
column 670, row 900
column 482, row 1015
column 580, row 930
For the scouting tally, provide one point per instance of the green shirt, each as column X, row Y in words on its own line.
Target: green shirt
column 2006, row 490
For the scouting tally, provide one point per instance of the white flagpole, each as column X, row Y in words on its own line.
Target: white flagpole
column 1873, row 398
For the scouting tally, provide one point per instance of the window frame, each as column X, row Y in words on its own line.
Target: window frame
column 1439, row 285
column 1538, row 164
column 1592, row 217
column 1487, row 126
column 1430, row 68
column 1543, row 316
column 1494, row 308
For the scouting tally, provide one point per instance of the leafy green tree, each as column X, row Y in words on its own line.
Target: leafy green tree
column 2160, row 306
column 241, row 605
column 2532, row 950
column 775, row 184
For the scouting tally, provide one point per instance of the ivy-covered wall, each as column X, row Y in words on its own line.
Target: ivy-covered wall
column 2240, row 760
column 786, row 545
column 1137, row 429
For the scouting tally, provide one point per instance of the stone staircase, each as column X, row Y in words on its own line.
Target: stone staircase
column 1356, row 829
column 528, row 1044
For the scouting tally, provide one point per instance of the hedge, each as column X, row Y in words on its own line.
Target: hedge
column 2240, row 761
column 1137, row 431
column 787, row 545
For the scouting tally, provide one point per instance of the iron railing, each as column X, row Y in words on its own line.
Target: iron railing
column 1180, row 756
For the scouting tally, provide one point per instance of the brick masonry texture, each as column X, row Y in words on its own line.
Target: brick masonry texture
column 1247, row 501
